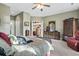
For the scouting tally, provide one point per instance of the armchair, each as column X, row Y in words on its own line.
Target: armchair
column 73, row 42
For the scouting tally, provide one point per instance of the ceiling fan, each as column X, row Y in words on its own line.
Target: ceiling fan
column 40, row 6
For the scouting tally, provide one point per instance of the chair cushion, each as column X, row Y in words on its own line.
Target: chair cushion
column 73, row 43
column 77, row 35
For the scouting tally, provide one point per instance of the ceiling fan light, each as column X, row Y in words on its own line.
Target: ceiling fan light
column 40, row 6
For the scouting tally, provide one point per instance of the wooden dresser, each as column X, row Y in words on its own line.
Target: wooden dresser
column 52, row 35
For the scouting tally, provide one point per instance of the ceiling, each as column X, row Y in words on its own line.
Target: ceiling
column 55, row 8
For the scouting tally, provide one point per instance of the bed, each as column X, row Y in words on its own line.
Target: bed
column 28, row 46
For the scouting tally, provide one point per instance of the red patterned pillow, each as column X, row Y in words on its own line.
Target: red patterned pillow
column 5, row 37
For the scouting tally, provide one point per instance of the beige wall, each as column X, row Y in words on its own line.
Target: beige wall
column 4, row 19
column 25, row 17
column 59, row 19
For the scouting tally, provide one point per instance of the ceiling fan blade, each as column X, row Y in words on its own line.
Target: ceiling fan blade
column 34, row 7
column 47, row 5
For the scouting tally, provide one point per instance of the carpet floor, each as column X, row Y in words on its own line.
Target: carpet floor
column 61, row 49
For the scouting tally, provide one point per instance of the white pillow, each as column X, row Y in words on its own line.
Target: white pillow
column 13, row 39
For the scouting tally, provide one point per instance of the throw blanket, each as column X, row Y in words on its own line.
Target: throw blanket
column 41, row 47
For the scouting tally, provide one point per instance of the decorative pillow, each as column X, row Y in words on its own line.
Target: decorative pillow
column 21, row 40
column 5, row 37
column 29, row 41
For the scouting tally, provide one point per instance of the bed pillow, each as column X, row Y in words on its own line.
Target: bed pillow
column 13, row 39
column 5, row 37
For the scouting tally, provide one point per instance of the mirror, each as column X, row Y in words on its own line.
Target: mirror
column 52, row 26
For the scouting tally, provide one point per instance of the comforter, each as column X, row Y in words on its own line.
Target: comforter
column 41, row 47
column 38, row 47
column 24, row 50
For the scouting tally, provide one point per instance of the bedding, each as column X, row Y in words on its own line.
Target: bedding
column 23, row 40
column 21, row 47
column 2, row 52
column 24, row 53
column 24, row 50
column 5, row 37
column 37, row 47
column 42, row 47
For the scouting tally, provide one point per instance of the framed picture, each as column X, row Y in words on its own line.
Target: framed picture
column 26, row 23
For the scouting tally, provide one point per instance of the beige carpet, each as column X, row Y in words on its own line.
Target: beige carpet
column 61, row 49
